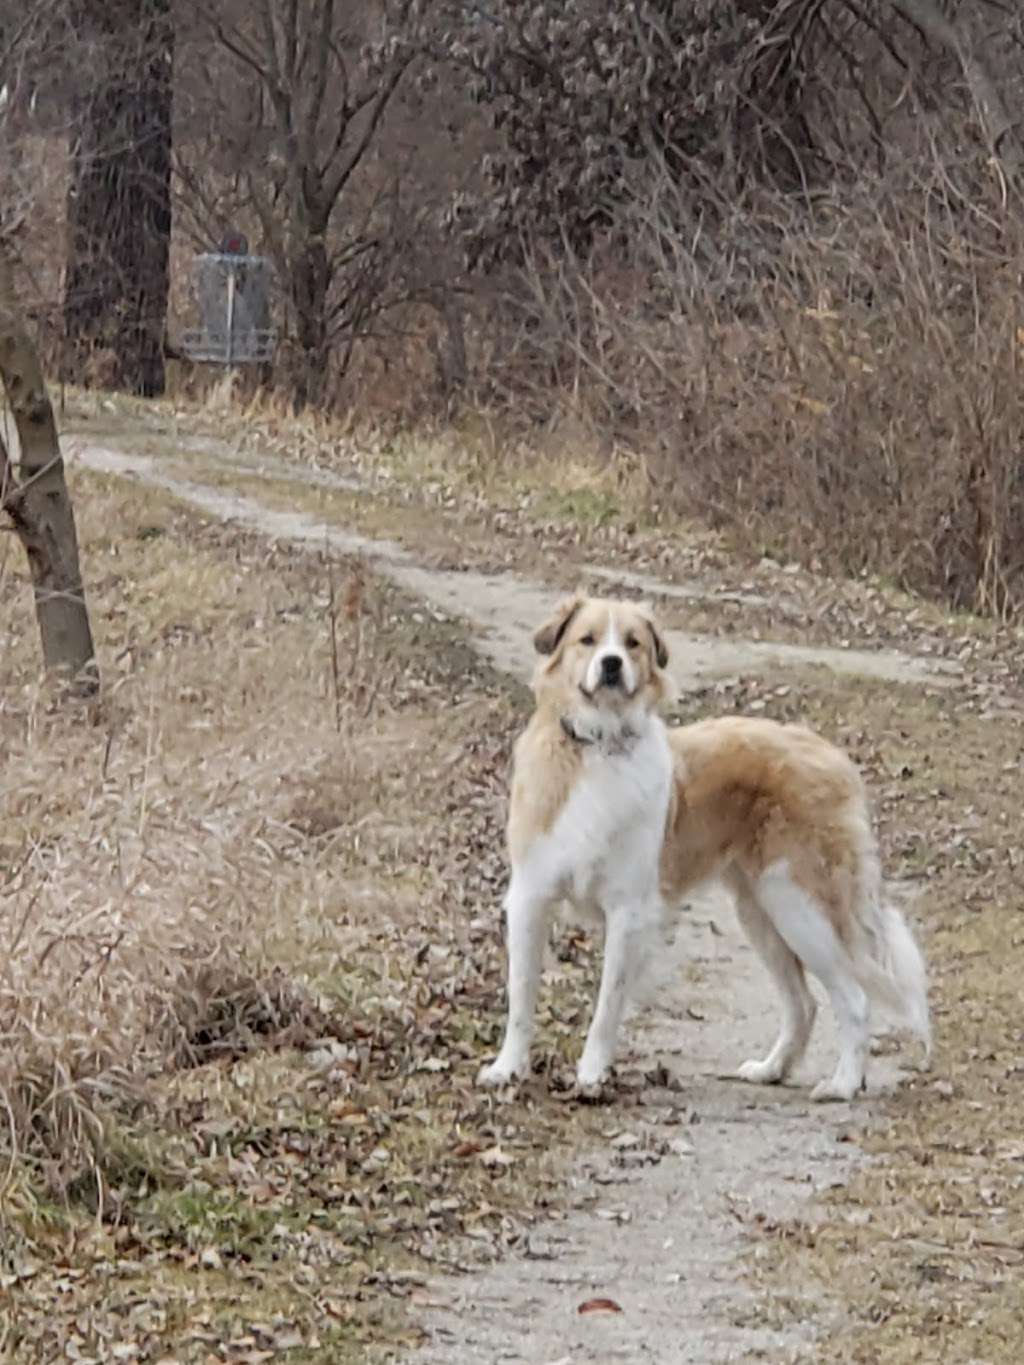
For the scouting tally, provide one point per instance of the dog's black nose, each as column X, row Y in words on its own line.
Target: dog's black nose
column 611, row 668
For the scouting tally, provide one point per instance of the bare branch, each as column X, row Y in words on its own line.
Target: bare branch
column 1003, row 132
column 320, row 56
column 336, row 183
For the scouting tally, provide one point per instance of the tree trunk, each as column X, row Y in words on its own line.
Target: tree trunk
column 310, row 281
column 141, row 341
column 36, row 499
column 450, row 353
column 119, row 199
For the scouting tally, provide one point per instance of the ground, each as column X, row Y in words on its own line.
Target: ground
column 262, row 878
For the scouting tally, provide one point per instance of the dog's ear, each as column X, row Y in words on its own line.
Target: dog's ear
column 660, row 647
column 551, row 633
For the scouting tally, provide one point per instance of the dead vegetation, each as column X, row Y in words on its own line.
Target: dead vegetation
column 735, row 284
column 923, row 1241
column 125, row 902
column 839, row 386
column 242, row 944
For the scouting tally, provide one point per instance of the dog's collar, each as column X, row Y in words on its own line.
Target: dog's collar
column 622, row 739
column 571, row 733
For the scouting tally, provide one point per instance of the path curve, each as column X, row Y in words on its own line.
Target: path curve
column 659, row 1211
column 503, row 609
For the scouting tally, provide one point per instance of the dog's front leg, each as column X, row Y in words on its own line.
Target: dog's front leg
column 527, row 913
column 624, row 940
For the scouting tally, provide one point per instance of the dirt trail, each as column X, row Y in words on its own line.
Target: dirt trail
column 664, row 1240
column 658, row 1207
column 503, row 609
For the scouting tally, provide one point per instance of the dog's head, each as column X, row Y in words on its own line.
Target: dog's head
column 602, row 658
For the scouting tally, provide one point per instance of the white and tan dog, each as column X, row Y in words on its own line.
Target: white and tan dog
column 621, row 817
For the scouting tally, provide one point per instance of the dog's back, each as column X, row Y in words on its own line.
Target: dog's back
column 753, row 791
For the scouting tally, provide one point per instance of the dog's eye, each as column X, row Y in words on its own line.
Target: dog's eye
column 632, row 642
column 588, row 639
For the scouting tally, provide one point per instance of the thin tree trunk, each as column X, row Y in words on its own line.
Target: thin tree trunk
column 310, row 282
column 37, row 501
column 140, row 341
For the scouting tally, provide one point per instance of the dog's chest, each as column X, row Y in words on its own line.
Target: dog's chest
column 612, row 825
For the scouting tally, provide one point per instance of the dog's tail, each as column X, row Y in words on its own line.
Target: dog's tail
column 889, row 966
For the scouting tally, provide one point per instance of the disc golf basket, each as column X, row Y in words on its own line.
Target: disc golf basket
column 233, row 292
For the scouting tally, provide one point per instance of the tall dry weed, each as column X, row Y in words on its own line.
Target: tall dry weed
column 154, row 888
column 833, row 377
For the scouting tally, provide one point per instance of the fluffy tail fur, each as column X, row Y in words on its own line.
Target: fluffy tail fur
column 891, row 969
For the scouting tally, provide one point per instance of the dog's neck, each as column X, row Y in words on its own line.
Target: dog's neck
column 611, row 735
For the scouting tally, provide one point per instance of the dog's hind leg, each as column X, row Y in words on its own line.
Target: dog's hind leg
column 528, row 915
column 798, row 1004
column 803, row 924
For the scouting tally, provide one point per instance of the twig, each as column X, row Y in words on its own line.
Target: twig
column 106, row 755
column 332, row 608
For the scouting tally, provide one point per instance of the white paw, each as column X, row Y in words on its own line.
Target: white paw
column 760, row 1073
column 834, row 1091
column 496, row 1074
column 592, row 1073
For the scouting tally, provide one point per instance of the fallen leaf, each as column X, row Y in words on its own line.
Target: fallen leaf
column 467, row 1148
column 422, row 1298
column 495, row 1157
column 599, row 1306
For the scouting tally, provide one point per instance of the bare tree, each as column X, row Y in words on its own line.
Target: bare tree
column 798, row 95
column 35, row 498
column 302, row 89
column 119, row 195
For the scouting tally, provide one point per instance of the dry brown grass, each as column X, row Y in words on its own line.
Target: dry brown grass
column 841, row 389
column 248, row 916
column 151, row 844
column 834, row 380
column 144, row 839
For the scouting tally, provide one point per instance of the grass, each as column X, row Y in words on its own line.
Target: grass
column 242, row 939
column 461, row 492
column 265, row 907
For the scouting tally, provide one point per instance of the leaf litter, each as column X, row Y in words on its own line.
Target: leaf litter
column 922, row 1244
